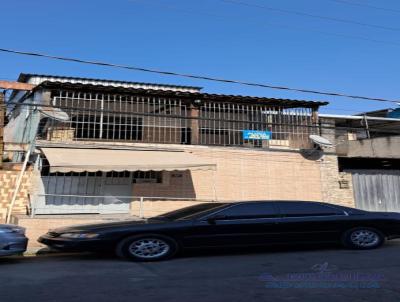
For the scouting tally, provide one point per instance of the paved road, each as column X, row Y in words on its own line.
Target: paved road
column 239, row 276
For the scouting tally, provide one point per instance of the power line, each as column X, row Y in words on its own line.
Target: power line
column 366, row 5
column 286, row 27
column 198, row 77
column 285, row 11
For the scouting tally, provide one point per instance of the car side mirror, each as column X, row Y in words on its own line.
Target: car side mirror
column 213, row 219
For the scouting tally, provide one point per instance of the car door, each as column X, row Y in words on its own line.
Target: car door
column 310, row 222
column 250, row 223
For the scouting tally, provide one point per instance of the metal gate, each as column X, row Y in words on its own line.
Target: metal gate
column 99, row 193
column 377, row 190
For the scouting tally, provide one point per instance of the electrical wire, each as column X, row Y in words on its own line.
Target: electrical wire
column 198, row 77
column 285, row 11
column 366, row 5
column 282, row 26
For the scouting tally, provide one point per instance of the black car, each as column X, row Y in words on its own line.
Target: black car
column 229, row 225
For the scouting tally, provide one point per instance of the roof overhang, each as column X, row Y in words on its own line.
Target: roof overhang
column 191, row 96
column 39, row 78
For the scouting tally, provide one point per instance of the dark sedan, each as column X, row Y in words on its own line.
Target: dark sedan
column 231, row 225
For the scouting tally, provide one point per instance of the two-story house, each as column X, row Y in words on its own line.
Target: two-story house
column 100, row 145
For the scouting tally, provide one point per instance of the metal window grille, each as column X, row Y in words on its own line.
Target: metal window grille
column 97, row 116
column 150, row 119
column 223, row 124
column 147, row 177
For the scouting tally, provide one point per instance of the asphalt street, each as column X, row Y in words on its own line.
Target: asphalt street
column 275, row 274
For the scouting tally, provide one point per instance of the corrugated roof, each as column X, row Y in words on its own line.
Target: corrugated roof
column 183, row 94
column 25, row 77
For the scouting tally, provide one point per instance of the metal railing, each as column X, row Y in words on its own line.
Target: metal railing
column 131, row 118
column 140, row 206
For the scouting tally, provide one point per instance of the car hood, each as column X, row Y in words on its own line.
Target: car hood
column 107, row 225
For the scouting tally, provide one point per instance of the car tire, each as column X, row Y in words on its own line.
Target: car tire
column 363, row 238
column 148, row 247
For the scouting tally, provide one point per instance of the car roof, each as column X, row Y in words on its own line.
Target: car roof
column 277, row 200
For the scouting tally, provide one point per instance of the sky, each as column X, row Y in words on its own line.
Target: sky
column 347, row 46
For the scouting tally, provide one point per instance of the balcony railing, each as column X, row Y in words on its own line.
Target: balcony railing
column 125, row 118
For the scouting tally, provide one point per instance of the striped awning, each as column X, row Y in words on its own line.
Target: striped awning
column 92, row 160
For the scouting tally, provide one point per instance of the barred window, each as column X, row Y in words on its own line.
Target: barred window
column 147, row 177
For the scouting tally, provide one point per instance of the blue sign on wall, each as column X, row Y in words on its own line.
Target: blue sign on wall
column 256, row 134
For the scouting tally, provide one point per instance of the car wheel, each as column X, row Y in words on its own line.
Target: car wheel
column 363, row 238
column 147, row 248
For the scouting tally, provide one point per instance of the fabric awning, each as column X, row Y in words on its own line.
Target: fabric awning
column 92, row 160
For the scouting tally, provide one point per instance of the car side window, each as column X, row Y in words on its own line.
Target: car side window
column 250, row 210
column 302, row 209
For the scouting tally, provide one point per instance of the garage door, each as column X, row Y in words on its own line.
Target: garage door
column 377, row 190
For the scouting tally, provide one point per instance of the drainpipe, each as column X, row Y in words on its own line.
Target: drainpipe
column 366, row 126
column 214, row 186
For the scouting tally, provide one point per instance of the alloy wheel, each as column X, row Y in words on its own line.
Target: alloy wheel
column 364, row 238
column 148, row 248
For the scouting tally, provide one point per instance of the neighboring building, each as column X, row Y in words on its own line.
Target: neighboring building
column 368, row 150
column 2, row 122
column 125, row 140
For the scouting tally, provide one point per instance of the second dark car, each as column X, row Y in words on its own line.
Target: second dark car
column 12, row 240
column 231, row 225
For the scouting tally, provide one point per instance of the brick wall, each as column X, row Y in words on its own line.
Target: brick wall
column 251, row 175
column 174, row 184
column 246, row 175
column 7, row 186
column 256, row 174
column 157, row 207
column 60, row 134
column 8, row 175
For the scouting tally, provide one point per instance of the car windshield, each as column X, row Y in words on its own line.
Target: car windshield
column 190, row 212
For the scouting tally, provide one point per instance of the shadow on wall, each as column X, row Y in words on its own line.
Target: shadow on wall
column 312, row 154
column 174, row 184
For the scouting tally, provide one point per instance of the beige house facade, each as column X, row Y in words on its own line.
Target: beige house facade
column 154, row 148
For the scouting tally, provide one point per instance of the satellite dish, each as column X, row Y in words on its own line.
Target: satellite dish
column 321, row 141
column 54, row 113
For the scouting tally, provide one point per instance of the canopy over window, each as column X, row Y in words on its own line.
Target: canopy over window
column 92, row 160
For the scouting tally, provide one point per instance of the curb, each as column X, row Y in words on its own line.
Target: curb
column 47, row 253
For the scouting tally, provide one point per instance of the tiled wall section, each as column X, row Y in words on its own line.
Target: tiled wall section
column 251, row 175
column 336, row 186
column 7, row 187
